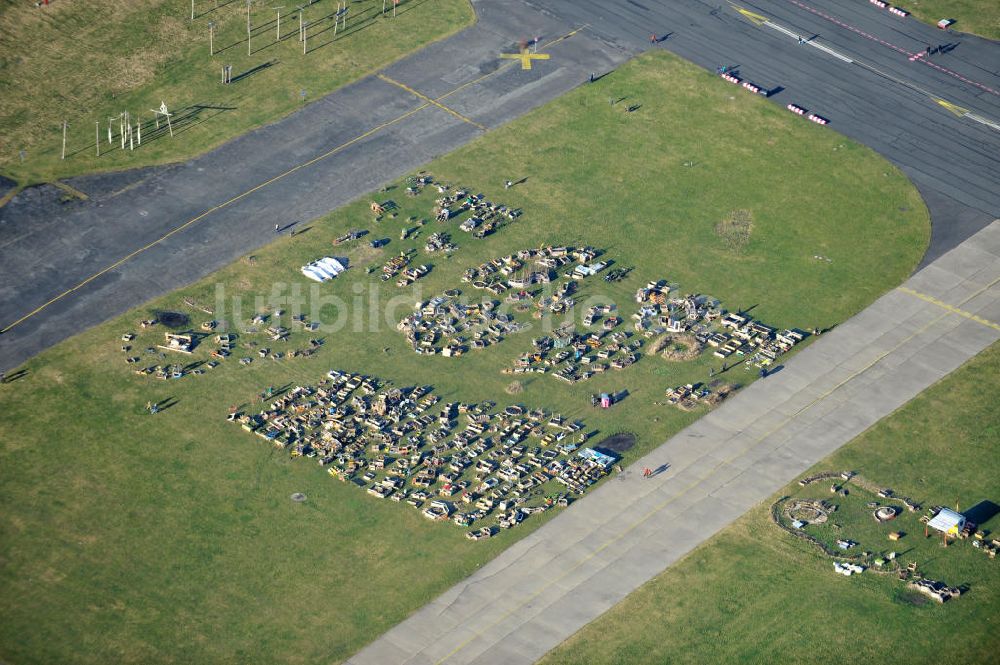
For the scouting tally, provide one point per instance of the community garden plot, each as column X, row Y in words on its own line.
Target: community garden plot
column 472, row 464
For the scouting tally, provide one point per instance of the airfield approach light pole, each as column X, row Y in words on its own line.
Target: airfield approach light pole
column 249, row 2
column 277, row 37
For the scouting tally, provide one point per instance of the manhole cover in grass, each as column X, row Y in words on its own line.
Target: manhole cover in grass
column 618, row 443
column 173, row 320
column 298, row 497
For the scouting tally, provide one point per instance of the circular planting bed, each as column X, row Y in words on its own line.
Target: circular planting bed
column 810, row 512
column 886, row 513
column 679, row 347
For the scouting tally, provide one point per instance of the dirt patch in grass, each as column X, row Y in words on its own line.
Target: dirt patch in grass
column 735, row 229
column 618, row 443
column 719, row 394
column 908, row 597
column 680, row 347
column 173, row 320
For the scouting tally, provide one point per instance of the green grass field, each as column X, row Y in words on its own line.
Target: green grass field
column 755, row 594
column 975, row 16
column 86, row 62
column 171, row 538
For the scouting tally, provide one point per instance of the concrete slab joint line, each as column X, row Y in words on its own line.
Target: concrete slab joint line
column 951, row 308
column 513, row 593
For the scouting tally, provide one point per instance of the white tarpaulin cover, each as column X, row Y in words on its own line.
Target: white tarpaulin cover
column 324, row 269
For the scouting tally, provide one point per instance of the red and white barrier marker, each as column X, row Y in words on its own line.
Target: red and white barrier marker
column 751, row 87
column 892, row 10
column 818, row 119
column 731, row 78
column 796, row 109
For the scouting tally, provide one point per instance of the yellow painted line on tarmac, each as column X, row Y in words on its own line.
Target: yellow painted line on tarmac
column 276, row 178
column 950, row 308
column 431, row 101
column 756, row 19
column 953, row 108
column 508, row 65
column 687, row 488
column 194, row 220
column 525, row 57
column 70, row 189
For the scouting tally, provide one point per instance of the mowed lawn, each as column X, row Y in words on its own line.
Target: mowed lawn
column 86, row 62
column 755, row 594
column 135, row 538
column 975, row 16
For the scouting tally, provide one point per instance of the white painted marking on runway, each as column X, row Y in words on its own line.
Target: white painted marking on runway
column 812, row 42
column 827, row 49
column 957, row 110
column 982, row 120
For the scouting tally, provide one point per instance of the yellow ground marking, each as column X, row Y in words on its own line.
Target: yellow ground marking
column 756, row 19
column 70, row 189
column 954, row 108
column 950, row 308
column 687, row 488
column 525, row 57
column 508, row 65
column 9, row 195
column 431, row 101
column 193, row 220
column 276, row 178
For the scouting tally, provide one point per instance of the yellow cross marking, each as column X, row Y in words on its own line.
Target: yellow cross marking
column 950, row 308
column 756, row 19
column 280, row 176
column 525, row 57
column 954, row 108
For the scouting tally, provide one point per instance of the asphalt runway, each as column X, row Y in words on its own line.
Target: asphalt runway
column 881, row 99
column 64, row 268
column 548, row 585
column 553, row 582
column 67, row 267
